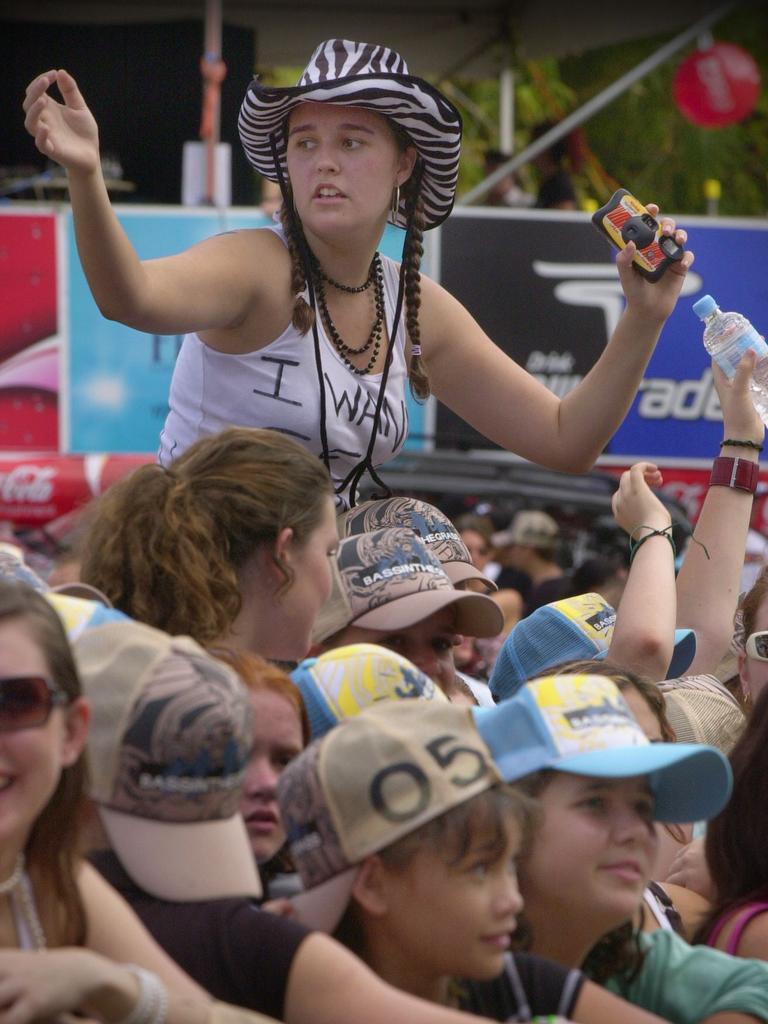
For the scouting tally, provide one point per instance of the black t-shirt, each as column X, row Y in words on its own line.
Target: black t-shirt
column 558, row 188
column 236, row 951
column 530, row 986
column 545, row 593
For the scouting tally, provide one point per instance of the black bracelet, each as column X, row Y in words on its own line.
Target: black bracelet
column 742, row 444
column 635, row 545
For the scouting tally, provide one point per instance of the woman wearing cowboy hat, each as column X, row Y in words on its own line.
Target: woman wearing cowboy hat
column 304, row 327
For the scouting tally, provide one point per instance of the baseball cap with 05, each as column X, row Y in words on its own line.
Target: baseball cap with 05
column 367, row 783
column 170, row 736
column 387, row 579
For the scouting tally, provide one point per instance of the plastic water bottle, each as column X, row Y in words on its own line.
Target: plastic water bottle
column 727, row 336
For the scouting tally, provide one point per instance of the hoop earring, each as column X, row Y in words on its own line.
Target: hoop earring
column 395, row 209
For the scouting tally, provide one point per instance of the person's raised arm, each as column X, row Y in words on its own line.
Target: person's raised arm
column 643, row 637
column 484, row 386
column 212, row 285
column 709, row 579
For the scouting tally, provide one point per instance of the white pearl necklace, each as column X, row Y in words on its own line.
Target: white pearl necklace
column 23, row 900
column 14, row 878
column 26, row 897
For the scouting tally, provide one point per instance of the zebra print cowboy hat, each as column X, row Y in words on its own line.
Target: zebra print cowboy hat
column 375, row 78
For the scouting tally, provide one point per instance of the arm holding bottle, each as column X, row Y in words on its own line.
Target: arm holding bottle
column 709, row 580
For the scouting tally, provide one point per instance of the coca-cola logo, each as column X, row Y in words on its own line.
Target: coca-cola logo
column 27, row 483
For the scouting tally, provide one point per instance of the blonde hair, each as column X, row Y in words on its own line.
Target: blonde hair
column 167, row 546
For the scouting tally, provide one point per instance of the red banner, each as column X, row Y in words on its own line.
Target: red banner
column 36, row 490
column 689, row 487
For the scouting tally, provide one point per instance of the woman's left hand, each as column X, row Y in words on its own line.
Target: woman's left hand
column 654, row 299
column 634, row 504
column 44, row 985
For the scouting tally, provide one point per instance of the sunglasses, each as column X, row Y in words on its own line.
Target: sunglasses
column 757, row 645
column 27, row 702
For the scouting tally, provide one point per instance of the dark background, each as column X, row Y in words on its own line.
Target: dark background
column 514, row 305
column 143, row 84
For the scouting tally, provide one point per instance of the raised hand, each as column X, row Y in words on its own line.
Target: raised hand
column 656, row 299
column 741, row 420
column 634, row 503
column 65, row 132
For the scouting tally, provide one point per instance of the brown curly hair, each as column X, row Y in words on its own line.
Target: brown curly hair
column 167, row 546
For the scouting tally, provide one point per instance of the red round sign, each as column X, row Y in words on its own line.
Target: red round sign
column 717, row 86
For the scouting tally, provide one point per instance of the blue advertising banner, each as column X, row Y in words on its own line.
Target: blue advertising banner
column 119, row 378
column 544, row 286
column 677, row 413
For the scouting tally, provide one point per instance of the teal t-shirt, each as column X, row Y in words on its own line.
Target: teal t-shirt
column 686, row 984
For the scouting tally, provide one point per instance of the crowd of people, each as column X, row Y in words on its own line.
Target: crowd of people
column 280, row 755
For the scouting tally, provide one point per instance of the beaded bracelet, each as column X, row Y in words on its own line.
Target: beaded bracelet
column 635, row 545
column 742, row 444
column 152, row 1004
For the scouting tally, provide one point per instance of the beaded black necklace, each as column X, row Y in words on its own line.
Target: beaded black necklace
column 351, row 289
column 376, row 278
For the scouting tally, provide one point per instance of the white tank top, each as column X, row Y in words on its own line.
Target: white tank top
column 278, row 387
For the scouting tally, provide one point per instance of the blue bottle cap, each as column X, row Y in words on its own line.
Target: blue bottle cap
column 704, row 306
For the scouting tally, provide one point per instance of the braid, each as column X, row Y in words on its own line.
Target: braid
column 417, row 371
column 303, row 315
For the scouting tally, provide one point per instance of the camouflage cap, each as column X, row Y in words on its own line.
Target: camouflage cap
column 435, row 529
column 387, row 579
column 170, row 736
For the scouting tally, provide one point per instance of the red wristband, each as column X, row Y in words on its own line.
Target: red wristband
column 740, row 474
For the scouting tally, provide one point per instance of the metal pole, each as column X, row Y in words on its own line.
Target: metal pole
column 212, row 54
column 596, row 103
column 507, row 110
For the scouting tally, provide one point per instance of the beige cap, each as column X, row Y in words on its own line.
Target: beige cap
column 370, row 781
column 530, row 528
column 701, row 710
column 169, row 741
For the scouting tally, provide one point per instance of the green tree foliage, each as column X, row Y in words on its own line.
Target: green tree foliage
column 640, row 140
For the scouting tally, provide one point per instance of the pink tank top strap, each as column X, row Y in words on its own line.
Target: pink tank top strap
column 743, row 916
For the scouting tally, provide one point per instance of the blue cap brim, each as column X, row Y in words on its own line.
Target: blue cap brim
column 682, row 655
column 690, row 782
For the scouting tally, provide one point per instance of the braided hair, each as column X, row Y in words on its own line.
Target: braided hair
column 303, row 316
column 414, row 250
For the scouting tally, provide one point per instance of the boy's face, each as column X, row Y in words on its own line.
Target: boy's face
column 455, row 918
